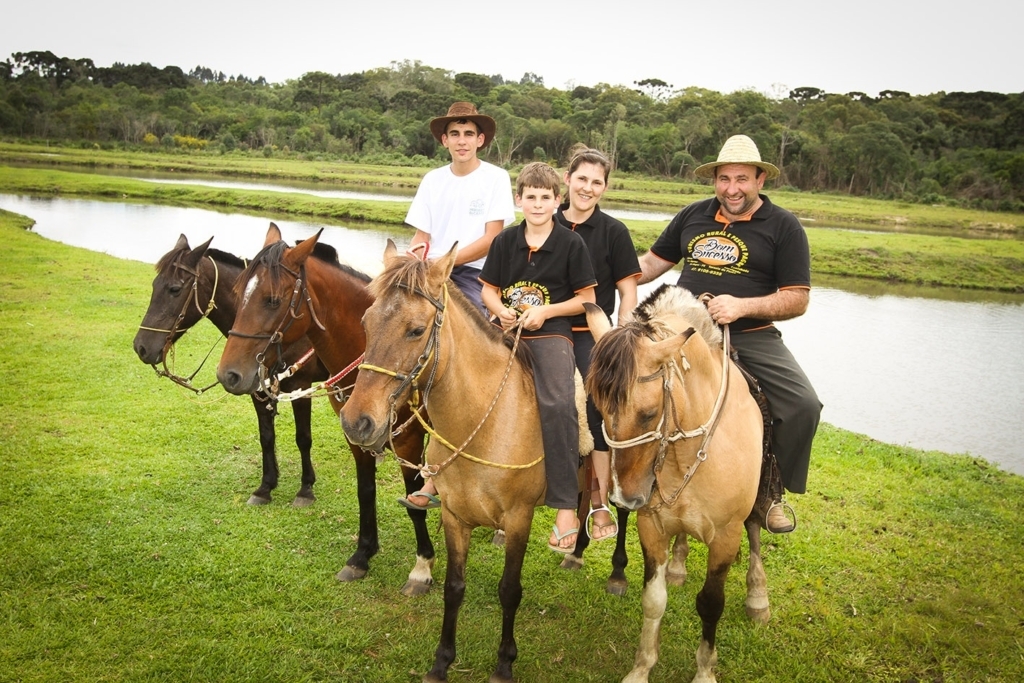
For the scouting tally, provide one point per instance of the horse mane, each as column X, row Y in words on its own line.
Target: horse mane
column 674, row 300
column 271, row 257
column 411, row 274
column 169, row 258
column 225, row 257
column 613, row 368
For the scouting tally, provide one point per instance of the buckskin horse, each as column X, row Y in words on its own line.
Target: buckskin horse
column 286, row 293
column 426, row 344
column 686, row 452
column 192, row 284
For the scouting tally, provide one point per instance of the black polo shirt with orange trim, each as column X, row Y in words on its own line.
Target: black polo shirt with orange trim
column 611, row 253
column 747, row 258
column 550, row 274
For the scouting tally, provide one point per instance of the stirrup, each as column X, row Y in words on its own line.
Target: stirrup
column 586, row 522
column 785, row 506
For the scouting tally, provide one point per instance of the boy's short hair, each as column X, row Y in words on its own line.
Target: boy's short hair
column 463, row 122
column 538, row 174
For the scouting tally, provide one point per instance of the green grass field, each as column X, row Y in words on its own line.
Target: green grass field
column 129, row 554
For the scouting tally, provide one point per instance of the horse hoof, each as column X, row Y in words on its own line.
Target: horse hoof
column 498, row 538
column 414, row 589
column 497, row 678
column 258, row 500
column 674, row 579
column 759, row 616
column 303, row 501
column 571, row 562
column 350, row 573
column 616, row 587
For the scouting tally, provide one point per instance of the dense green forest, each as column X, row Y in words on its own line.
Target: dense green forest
column 956, row 148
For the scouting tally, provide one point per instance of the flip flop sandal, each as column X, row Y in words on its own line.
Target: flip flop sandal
column 601, row 526
column 559, row 537
column 435, row 502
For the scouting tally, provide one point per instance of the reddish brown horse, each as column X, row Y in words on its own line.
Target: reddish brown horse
column 685, row 437
column 192, row 284
column 285, row 294
column 426, row 343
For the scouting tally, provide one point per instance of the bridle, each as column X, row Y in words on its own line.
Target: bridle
column 430, row 356
column 666, row 372
column 204, row 312
column 300, row 294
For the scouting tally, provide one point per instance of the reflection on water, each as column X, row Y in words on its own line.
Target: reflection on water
column 925, row 372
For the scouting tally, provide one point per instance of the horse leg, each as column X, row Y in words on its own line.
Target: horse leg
column 265, row 413
column 457, row 537
column 617, row 583
column 366, row 492
column 757, row 584
column 654, row 544
column 677, row 567
column 711, row 602
column 302, row 410
column 421, row 577
column 510, row 593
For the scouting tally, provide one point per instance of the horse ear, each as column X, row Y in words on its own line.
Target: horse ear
column 442, row 267
column 273, row 235
column 673, row 346
column 390, row 252
column 297, row 255
column 182, row 243
column 197, row 254
column 597, row 321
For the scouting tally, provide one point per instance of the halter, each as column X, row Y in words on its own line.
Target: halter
column 666, row 373
column 173, row 331
column 299, row 294
column 410, row 380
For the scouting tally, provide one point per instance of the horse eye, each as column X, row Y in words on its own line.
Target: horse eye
column 416, row 332
column 174, row 290
column 647, row 416
column 273, row 302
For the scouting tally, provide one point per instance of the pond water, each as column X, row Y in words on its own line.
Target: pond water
column 899, row 364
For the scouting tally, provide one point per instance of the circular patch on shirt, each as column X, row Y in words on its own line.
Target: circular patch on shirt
column 716, row 250
column 523, row 295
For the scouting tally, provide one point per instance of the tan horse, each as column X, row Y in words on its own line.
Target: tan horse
column 686, row 453
column 423, row 336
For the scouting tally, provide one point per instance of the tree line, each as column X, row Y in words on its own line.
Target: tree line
column 957, row 148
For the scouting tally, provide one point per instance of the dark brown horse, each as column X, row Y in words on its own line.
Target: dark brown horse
column 685, row 437
column 287, row 293
column 192, row 284
column 426, row 343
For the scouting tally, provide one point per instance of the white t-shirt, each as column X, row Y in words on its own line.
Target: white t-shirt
column 453, row 208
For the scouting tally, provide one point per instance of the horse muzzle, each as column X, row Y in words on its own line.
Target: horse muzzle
column 237, row 382
column 365, row 432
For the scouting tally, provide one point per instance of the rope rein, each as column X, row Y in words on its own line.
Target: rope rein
column 169, row 348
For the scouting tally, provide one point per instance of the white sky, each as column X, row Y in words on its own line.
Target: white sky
column 770, row 46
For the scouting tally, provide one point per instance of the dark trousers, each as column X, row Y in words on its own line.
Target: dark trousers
column 795, row 407
column 467, row 279
column 553, row 367
column 583, row 347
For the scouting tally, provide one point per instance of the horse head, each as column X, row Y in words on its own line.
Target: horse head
column 632, row 374
column 402, row 332
column 275, row 308
column 176, row 303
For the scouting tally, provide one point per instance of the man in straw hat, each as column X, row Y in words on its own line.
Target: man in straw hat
column 467, row 202
column 753, row 256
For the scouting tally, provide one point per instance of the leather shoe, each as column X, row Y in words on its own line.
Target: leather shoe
column 777, row 522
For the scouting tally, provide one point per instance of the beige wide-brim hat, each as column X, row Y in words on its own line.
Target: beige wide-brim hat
column 739, row 149
column 464, row 111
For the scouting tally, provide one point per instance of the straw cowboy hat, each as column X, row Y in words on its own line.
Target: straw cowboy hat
column 459, row 111
column 739, row 149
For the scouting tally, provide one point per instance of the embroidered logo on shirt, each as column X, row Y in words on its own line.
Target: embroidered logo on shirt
column 717, row 253
column 476, row 207
column 523, row 295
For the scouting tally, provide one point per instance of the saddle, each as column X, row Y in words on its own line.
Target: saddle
column 769, row 489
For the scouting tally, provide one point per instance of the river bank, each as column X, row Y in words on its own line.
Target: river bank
column 987, row 264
